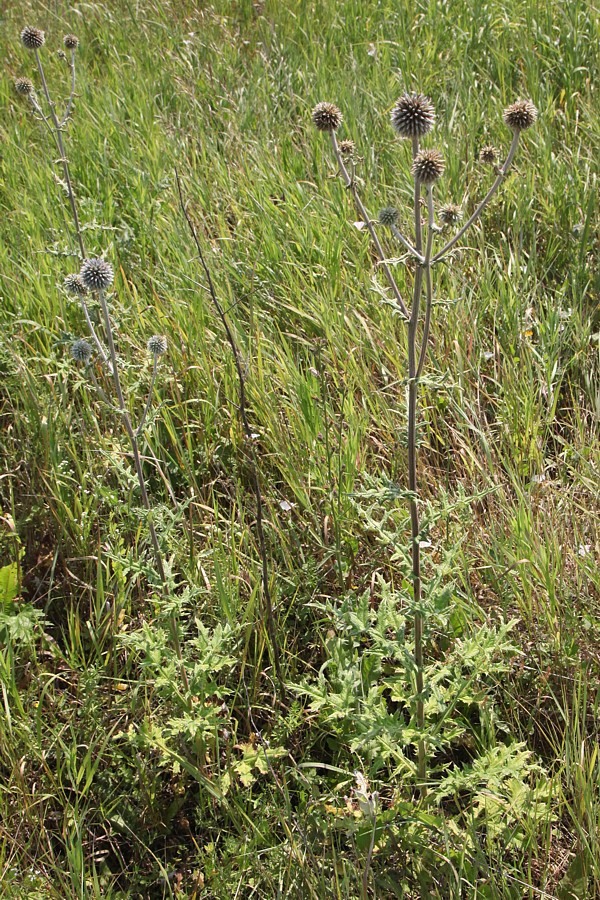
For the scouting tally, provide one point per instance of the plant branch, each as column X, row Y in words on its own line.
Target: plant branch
column 499, row 179
column 248, row 434
column 350, row 183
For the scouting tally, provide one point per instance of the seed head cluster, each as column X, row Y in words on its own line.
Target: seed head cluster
column 488, row 155
column 71, row 41
column 326, row 117
column 24, row 86
column 157, row 344
column 81, row 351
column 520, row 115
column 413, row 115
column 97, row 274
column 450, row 214
column 32, row 38
column 73, row 284
column 388, row 216
column 427, row 167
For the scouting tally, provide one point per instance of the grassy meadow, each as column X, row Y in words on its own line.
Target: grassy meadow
column 116, row 779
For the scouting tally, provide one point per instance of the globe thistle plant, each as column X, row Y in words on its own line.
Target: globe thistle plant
column 81, row 351
column 24, row 86
column 413, row 117
column 71, row 41
column 73, row 284
column 157, row 345
column 326, row 117
column 96, row 274
column 488, row 155
column 33, row 38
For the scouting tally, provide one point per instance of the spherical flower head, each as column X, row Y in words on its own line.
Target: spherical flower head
column 388, row 216
column 450, row 214
column 157, row 344
column 520, row 115
column 73, row 284
column 347, row 147
column 81, row 351
column 488, row 155
column 24, row 86
column 97, row 274
column 326, row 117
column 413, row 115
column 32, row 38
column 71, row 41
column 427, row 167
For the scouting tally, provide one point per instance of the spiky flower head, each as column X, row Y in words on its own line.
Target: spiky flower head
column 32, row 38
column 413, row 115
column 73, row 284
column 450, row 214
column 427, row 167
column 71, row 41
column 326, row 117
column 488, row 155
column 347, row 147
column 520, row 115
column 24, row 86
column 97, row 274
column 81, row 351
column 157, row 344
column 388, row 216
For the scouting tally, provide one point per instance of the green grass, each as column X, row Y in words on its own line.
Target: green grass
column 109, row 785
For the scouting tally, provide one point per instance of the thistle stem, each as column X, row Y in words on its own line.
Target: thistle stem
column 499, row 179
column 138, row 430
column 350, row 183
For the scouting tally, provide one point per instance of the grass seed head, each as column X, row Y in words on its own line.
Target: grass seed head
column 450, row 214
column 488, row 155
column 71, row 41
column 157, row 344
column 73, row 284
column 81, row 351
column 388, row 216
column 24, row 86
column 413, row 115
column 326, row 117
column 520, row 115
column 32, row 38
column 427, row 167
column 97, row 274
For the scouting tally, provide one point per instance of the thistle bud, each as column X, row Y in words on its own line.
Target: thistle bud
column 32, row 38
column 81, row 351
column 488, row 155
column 347, row 147
column 520, row 115
column 388, row 216
column 97, row 274
column 157, row 344
column 24, row 86
column 413, row 115
column 326, row 117
column 71, row 41
column 427, row 167
column 73, row 284
column 450, row 214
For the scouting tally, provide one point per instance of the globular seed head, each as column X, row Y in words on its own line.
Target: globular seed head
column 81, row 351
column 97, row 274
column 24, row 86
column 347, row 147
column 413, row 115
column 326, row 117
column 32, row 38
column 157, row 344
column 520, row 115
column 427, row 166
column 450, row 214
column 71, row 41
column 73, row 284
column 488, row 155
column 389, row 216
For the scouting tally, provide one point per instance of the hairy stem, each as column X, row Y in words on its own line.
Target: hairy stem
column 131, row 434
column 350, row 183
column 499, row 179
column 248, row 434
